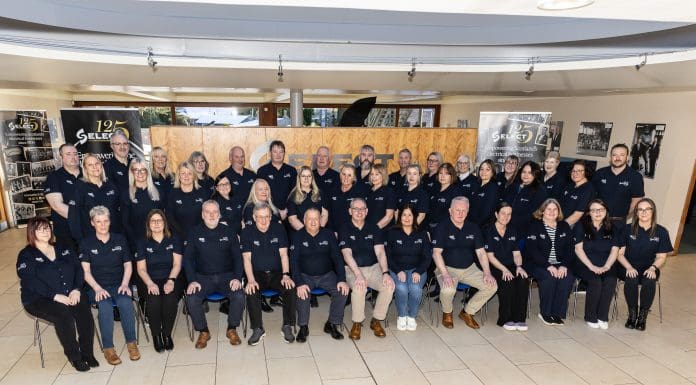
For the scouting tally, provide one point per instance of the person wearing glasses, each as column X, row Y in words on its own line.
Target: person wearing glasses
column 507, row 177
column 397, row 179
column 340, row 198
column 466, row 179
column 230, row 204
column 304, row 196
column 430, row 178
column 141, row 197
column 644, row 252
column 554, row 181
column 201, row 165
column 160, row 171
column 116, row 167
column 577, row 196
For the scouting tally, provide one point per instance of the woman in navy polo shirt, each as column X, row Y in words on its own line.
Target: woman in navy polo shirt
column 340, row 198
column 50, row 280
column 597, row 246
column 430, row 178
column 201, row 165
column 502, row 248
column 162, row 176
column 260, row 192
column 185, row 201
column 230, row 204
column 159, row 264
column 306, row 194
column 487, row 195
column 440, row 200
column 381, row 200
column 554, row 181
column 409, row 254
column 414, row 193
column 577, row 196
column 525, row 195
column 141, row 198
column 644, row 252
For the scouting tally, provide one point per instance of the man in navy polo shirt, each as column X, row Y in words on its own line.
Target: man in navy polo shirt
column 116, row 167
column 468, row 181
column 281, row 176
column 241, row 178
column 366, row 159
column 397, row 179
column 620, row 186
column 60, row 193
column 327, row 179
column 455, row 244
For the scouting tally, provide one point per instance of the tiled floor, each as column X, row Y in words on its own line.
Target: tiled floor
column 572, row 354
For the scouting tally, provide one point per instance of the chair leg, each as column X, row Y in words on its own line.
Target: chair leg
column 659, row 299
column 189, row 322
column 98, row 334
column 529, row 297
column 140, row 319
column 575, row 299
column 615, row 311
column 37, row 339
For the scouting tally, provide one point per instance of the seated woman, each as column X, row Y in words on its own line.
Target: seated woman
column 502, row 247
column 106, row 262
column 50, row 280
column 548, row 255
column 408, row 254
column 644, row 252
column 597, row 246
column 159, row 264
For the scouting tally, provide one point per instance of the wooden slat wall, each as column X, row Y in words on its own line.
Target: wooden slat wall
column 302, row 143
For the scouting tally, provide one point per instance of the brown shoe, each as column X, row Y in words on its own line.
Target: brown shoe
column 111, row 356
column 203, row 338
column 468, row 319
column 355, row 331
column 376, row 326
column 447, row 320
column 233, row 337
column 133, row 352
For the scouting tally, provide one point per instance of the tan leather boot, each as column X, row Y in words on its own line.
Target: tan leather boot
column 133, row 352
column 376, row 326
column 355, row 331
column 447, row 320
column 111, row 356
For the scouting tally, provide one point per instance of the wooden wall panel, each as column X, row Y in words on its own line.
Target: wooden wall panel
column 217, row 142
column 179, row 141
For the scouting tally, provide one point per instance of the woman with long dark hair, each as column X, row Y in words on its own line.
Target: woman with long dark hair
column 440, row 200
column 577, row 195
column 525, row 195
column 230, row 204
column 487, row 196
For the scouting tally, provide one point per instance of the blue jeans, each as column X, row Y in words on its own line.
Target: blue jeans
column 408, row 294
column 106, row 316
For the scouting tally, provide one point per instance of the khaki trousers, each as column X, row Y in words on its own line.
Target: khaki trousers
column 373, row 279
column 471, row 276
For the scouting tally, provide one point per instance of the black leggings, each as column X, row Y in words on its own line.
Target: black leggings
column 647, row 291
column 161, row 309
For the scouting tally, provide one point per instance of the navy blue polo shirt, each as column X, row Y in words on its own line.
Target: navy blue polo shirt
column 363, row 183
column 265, row 247
column 378, row 202
column 207, row 183
column 159, row 256
column 231, row 212
column 397, row 182
column 408, row 251
column 501, row 180
column 248, row 216
column 524, row 201
column 642, row 248
column 440, row 204
column 87, row 196
column 537, row 246
column 576, row 198
column 184, row 210
column 482, row 207
column 39, row 277
column 327, row 182
column 361, row 242
column 596, row 244
column 212, row 251
column 315, row 255
column 135, row 213
column 502, row 246
column 241, row 183
column 458, row 245
column 555, row 186
column 299, row 209
column 164, row 185
column 618, row 190
column 417, row 197
column 117, row 173
column 106, row 259
column 430, row 183
column 281, row 181
column 62, row 182
column 338, row 205
column 469, row 185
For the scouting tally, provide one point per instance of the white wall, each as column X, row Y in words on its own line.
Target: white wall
column 51, row 101
column 678, row 151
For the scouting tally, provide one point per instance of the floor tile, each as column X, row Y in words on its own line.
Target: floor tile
column 189, row 374
column 551, row 374
column 453, row 377
column 491, row 366
column 337, row 359
column 291, row 371
column 393, row 368
column 87, row 378
column 647, row 371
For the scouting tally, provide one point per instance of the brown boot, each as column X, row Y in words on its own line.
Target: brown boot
column 133, row 352
column 468, row 319
column 376, row 326
column 447, row 320
column 203, row 338
column 355, row 331
column 111, row 356
column 233, row 337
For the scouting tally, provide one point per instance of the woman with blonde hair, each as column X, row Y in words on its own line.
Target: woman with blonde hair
column 185, row 201
column 304, row 196
column 162, row 175
column 142, row 197
column 201, row 165
column 260, row 192
column 381, row 200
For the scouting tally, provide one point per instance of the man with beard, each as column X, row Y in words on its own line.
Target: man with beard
column 365, row 161
column 621, row 187
column 241, row 178
column 116, row 167
column 60, row 193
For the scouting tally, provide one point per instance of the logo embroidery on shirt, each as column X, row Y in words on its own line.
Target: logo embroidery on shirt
column 323, row 243
column 452, row 237
column 39, row 259
column 470, row 236
column 496, row 238
column 531, row 237
column 286, row 175
column 94, row 251
column 270, row 177
column 604, row 181
column 22, row 266
column 418, row 241
column 305, row 244
column 68, row 181
column 224, row 239
column 655, row 239
column 257, row 243
column 110, row 192
column 202, row 240
column 179, row 202
column 624, row 183
column 369, row 236
column 235, row 183
column 65, row 252
column 199, row 200
column 150, row 250
column 169, row 247
column 379, row 198
column 90, row 194
column 542, row 236
column 274, row 240
column 117, row 248
column 119, row 173
column 399, row 242
column 352, row 237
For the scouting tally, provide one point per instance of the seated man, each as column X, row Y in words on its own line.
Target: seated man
column 362, row 246
column 267, row 266
column 316, row 263
column 213, row 264
column 455, row 242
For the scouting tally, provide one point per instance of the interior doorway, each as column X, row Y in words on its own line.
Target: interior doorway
column 686, row 236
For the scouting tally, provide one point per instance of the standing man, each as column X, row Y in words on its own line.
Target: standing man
column 281, row 176
column 362, row 246
column 116, row 167
column 365, row 161
column 327, row 179
column 455, row 243
column 241, row 178
column 397, row 179
column 60, row 193
column 468, row 181
column 213, row 264
column 618, row 185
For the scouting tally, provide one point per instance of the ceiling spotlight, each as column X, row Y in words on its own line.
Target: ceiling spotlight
column 642, row 63
column 528, row 74
column 151, row 59
column 412, row 72
column 280, row 69
column 562, row 5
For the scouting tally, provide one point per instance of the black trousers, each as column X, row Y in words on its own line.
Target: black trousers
column 161, row 309
column 600, row 291
column 271, row 280
column 66, row 319
column 553, row 292
column 642, row 287
column 512, row 297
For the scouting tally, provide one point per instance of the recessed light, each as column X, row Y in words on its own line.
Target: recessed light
column 561, row 5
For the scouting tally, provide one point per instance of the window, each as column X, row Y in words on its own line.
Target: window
column 381, row 117
column 416, row 117
column 218, row 116
column 155, row 116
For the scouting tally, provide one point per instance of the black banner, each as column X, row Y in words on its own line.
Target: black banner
column 90, row 129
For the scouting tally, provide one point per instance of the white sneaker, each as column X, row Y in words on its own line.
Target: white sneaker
column 411, row 324
column 401, row 323
column 510, row 326
column 593, row 325
column 604, row 325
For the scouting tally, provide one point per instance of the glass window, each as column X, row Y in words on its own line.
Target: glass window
column 312, row 117
column 155, row 116
column 218, row 116
column 416, row 117
column 381, row 117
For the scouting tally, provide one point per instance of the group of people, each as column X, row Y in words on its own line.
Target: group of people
column 310, row 231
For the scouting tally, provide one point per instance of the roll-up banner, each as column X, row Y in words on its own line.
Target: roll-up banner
column 90, row 129
column 524, row 134
column 28, row 157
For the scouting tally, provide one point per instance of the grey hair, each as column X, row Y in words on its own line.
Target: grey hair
column 117, row 133
column 211, row 202
column 98, row 210
column 258, row 206
column 459, row 199
column 311, row 209
column 357, row 200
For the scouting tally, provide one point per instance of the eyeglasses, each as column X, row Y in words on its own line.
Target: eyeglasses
column 224, row 184
column 432, row 160
column 358, row 208
column 156, row 221
column 43, row 229
column 598, row 211
column 462, row 162
column 120, row 144
column 199, row 161
column 139, row 170
column 645, row 210
column 577, row 171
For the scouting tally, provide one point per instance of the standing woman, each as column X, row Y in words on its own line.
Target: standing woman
column 502, row 248
column 381, row 200
column 51, row 280
column 597, row 246
column 185, row 201
column 414, row 193
column 141, row 198
column 201, row 166
column 487, row 195
column 260, row 192
column 93, row 190
column 525, row 195
column 643, row 254
column 440, row 200
column 230, row 204
column 554, row 181
column 304, row 196
column 159, row 264
column 106, row 262
column 409, row 254
column 430, row 178
column 340, row 198
column 549, row 253
column 162, row 175
column 577, row 196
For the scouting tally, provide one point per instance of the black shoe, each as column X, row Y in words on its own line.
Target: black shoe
column 642, row 317
column 558, row 320
column 333, row 330
column 158, row 343
column 256, row 337
column 168, row 342
column 117, row 315
column 225, row 307
column 91, row 361
column 313, row 301
column 276, row 301
column 550, row 321
column 80, row 365
column 265, row 306
column 632, row 316
column 286, row 332
column 302, row 334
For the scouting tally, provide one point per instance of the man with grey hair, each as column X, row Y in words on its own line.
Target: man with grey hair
column 467, row 180
column 61, row 186
column 327, row 179
column 455, row 243
column 366, row 159
column 116, row 167
column 240, row 178
column 397, row 179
